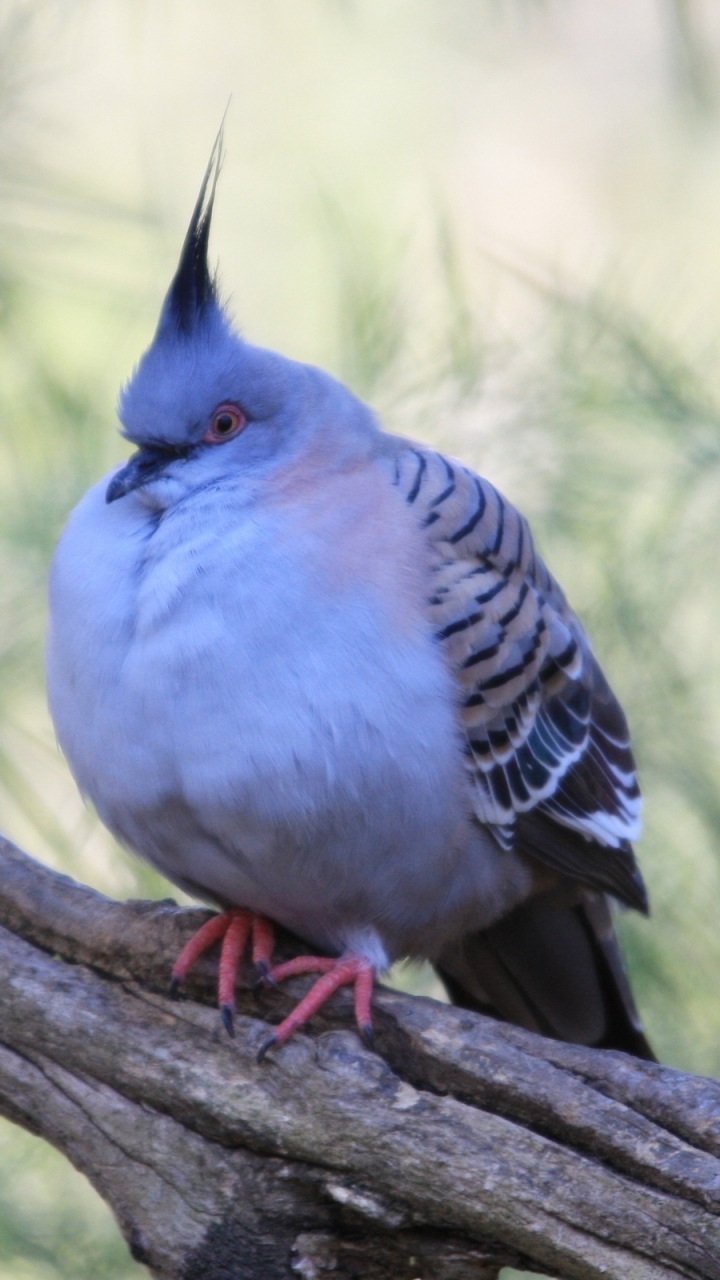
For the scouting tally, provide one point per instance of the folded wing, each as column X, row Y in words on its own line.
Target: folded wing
column 547, row 744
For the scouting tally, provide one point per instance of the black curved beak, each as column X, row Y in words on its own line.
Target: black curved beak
column 147, row 464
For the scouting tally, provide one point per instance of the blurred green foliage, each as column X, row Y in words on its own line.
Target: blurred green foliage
column 588, row 404
column 51, row 1222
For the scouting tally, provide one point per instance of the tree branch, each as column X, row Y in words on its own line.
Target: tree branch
column 461, row 1146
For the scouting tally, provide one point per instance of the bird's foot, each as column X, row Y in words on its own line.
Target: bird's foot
column 236, row 928
column 344, row 971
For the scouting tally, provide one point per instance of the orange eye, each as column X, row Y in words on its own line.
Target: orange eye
column 227, row 421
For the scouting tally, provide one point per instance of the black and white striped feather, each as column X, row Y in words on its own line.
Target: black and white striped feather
column 545, row 735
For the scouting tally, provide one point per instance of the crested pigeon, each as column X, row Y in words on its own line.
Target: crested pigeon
column 319, row 675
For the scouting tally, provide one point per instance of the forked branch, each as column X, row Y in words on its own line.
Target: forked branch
column 459, row 1147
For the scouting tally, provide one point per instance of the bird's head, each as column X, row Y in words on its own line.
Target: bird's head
column 203, row 403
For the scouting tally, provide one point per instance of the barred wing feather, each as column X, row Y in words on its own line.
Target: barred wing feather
column 545, row 735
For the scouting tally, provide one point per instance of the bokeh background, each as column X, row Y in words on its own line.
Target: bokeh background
column 499, row 221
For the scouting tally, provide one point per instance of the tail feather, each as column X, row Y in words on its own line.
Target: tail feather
column 554, row 966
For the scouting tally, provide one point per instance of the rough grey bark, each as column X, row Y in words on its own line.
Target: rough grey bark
column 460, row 1147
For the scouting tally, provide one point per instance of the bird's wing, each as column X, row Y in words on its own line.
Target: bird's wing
column 552, row 965
column 548, row 747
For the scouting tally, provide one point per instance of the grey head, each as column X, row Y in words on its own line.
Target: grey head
column 200, row 384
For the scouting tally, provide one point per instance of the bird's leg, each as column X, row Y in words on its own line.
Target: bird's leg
column 263, row 945
column 234, row 928
column 347, row 970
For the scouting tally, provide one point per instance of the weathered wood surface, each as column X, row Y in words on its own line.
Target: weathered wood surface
column 459, row 1147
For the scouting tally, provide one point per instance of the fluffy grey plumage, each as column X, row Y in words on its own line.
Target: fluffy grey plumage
column 316, row 671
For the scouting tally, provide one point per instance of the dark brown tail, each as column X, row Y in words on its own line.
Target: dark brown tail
column 554, row 966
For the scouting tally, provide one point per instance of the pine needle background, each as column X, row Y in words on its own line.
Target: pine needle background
column 499, row 223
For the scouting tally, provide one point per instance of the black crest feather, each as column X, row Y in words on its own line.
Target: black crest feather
column 192, row 290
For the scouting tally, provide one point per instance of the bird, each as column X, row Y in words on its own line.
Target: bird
column 320, row 677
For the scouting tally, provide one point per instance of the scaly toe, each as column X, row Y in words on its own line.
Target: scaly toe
column 347, row 970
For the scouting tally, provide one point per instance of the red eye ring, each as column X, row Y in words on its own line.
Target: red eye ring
column 227, row 421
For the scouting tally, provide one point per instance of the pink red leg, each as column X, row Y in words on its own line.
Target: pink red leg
column 364, row 983
column 302, row 964
column 201, row 941
column 263, row 944
column 234, row 928
column 347, row 970
column 231, row 954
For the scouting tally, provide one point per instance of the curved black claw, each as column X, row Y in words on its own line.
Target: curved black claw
column 174, row 988
column 263, row 979
column 226, row 1013
column 267, row 1045
column 367, row 1035
column 264, row 975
